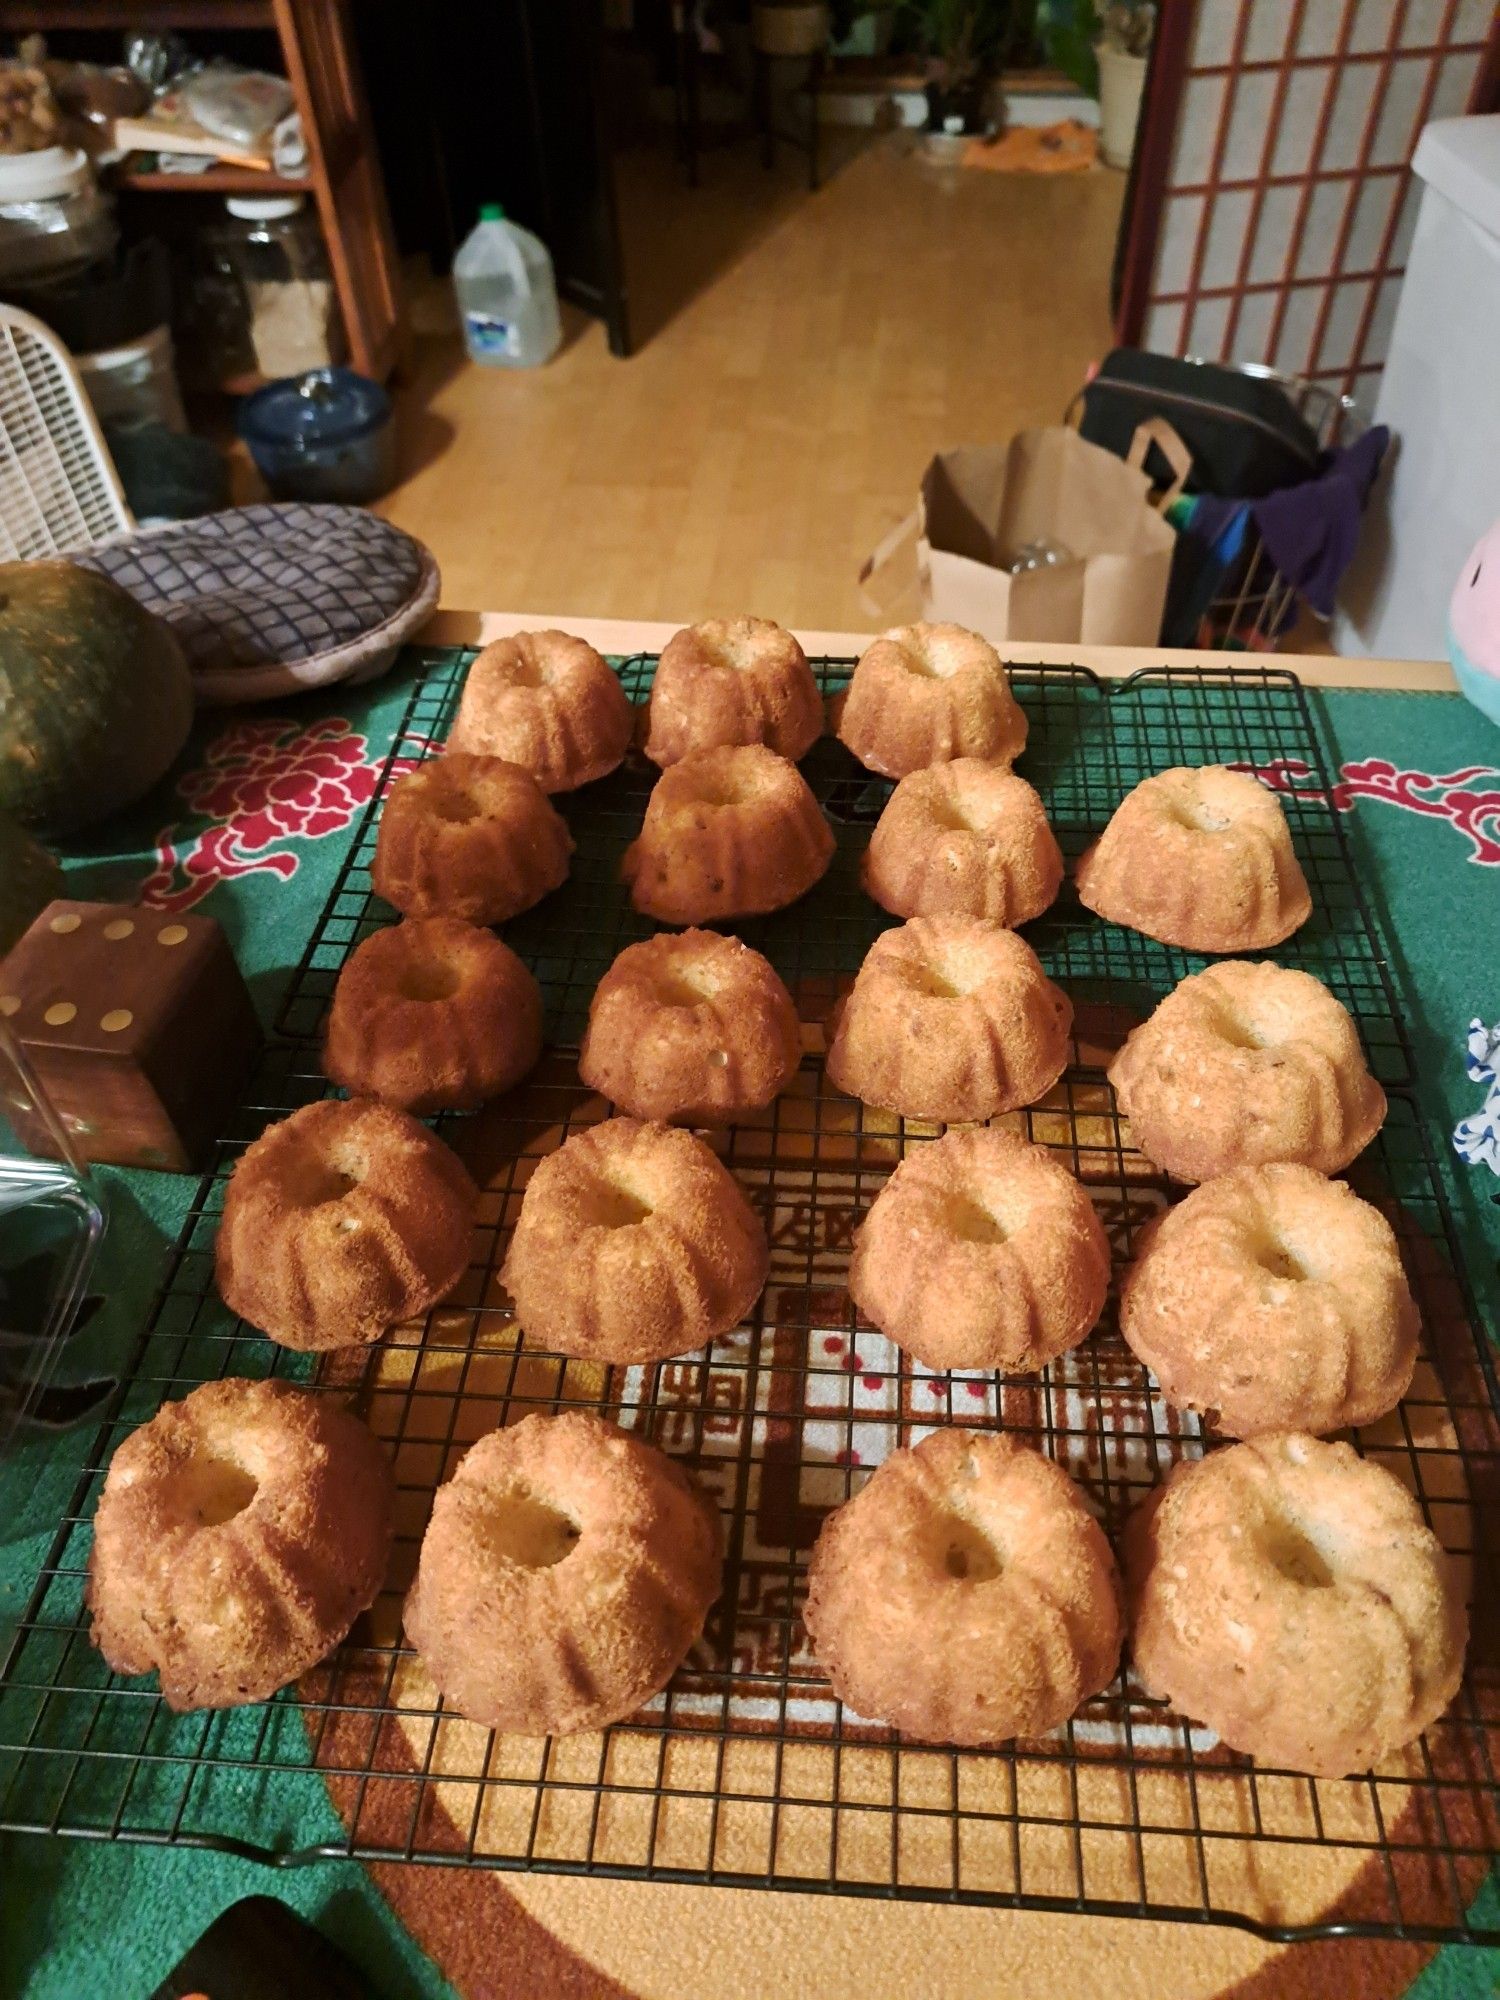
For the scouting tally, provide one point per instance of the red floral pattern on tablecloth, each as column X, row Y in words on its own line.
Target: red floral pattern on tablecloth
column 263, row 786
column 1451, row 795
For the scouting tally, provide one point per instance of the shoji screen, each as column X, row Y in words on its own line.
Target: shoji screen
column 1272, row 206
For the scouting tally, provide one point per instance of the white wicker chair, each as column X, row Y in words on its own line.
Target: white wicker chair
column 58, row 487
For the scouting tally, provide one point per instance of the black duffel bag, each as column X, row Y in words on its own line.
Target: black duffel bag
column 1245, row 437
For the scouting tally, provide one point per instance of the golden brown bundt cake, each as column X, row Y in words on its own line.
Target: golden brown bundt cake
column 633, row 1243
column 950, row 1019
column 471, row 837
column 981, row 1251
column 433, row 1015
column 341, row 1220
column 690, row 1027
column 566, row 1571
column 966, row 839
column 548, row 702
column 965, row 1594
column 1201, row 859
column 1288, row 1594
column 239, row 1535
column 727, row 833
column 1273, row 1299
column 924, row 694
column 1246, row 1063
column 733, row 680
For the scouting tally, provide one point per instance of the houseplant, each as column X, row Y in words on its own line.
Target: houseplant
column 965, row 42
column 1104, row 49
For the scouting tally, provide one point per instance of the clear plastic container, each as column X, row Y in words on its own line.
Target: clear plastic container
column 264, row 288
column 135, row 384
column 51, row 1223
column 507, row 294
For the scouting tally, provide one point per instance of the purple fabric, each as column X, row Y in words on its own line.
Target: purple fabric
column 1311, row 531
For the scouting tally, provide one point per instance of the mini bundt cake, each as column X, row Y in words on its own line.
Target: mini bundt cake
column 950, row 1019
column 924, row 694
column 690, row 1027
column 966, row 839
column 965, row 1594
column 981, row 1251
column 727, row 833
column 733, row 680
column 239, row 1535
column 633, row 1243
column 548, row 702
column 1201, row 859
column 433, row 1015
column 1288, row 1594
column 340, row 1221
column 471, row 837
column 565, row 1574
column 1272, row 1299
column 1242, row 1064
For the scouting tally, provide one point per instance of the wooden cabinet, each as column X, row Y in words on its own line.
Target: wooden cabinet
column 318, row 57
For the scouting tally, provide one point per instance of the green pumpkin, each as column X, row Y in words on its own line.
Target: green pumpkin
column 95, row 697
column 29, row 880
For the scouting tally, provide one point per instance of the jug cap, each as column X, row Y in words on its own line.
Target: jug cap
column 491, row 211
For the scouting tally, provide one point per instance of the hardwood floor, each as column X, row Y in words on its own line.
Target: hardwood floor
column 812, row 352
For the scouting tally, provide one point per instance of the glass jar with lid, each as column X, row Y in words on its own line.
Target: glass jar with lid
column 53, row 218
column 266, row 287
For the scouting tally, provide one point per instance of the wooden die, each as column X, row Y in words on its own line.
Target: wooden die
column 139, row 1027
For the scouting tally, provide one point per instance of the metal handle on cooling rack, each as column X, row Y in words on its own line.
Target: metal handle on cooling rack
column 28, row 1354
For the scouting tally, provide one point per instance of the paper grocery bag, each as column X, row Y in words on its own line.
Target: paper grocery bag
column 979, row 504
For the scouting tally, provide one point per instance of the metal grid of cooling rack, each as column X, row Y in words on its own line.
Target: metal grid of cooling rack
column 746, row 1771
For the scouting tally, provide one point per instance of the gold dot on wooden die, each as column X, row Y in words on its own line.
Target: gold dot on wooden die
column 10, row 1003
column 122, row 927
column 116, row 1020
column 173, row 934
column 60, row 1013
column 62, row 925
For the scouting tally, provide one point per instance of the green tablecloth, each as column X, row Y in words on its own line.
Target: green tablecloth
column 252, row 830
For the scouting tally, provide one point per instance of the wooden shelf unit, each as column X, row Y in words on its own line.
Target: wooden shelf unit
column 213, row 180
column 319, row 60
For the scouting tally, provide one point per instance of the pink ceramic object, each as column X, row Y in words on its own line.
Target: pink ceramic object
column 1474, row 625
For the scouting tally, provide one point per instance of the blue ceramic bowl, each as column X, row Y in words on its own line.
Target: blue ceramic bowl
column 325, row 435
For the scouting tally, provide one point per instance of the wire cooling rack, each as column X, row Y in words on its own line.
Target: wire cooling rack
column 746, row 1771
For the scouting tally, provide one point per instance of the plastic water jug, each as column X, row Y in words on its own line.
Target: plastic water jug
column 507, row 295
